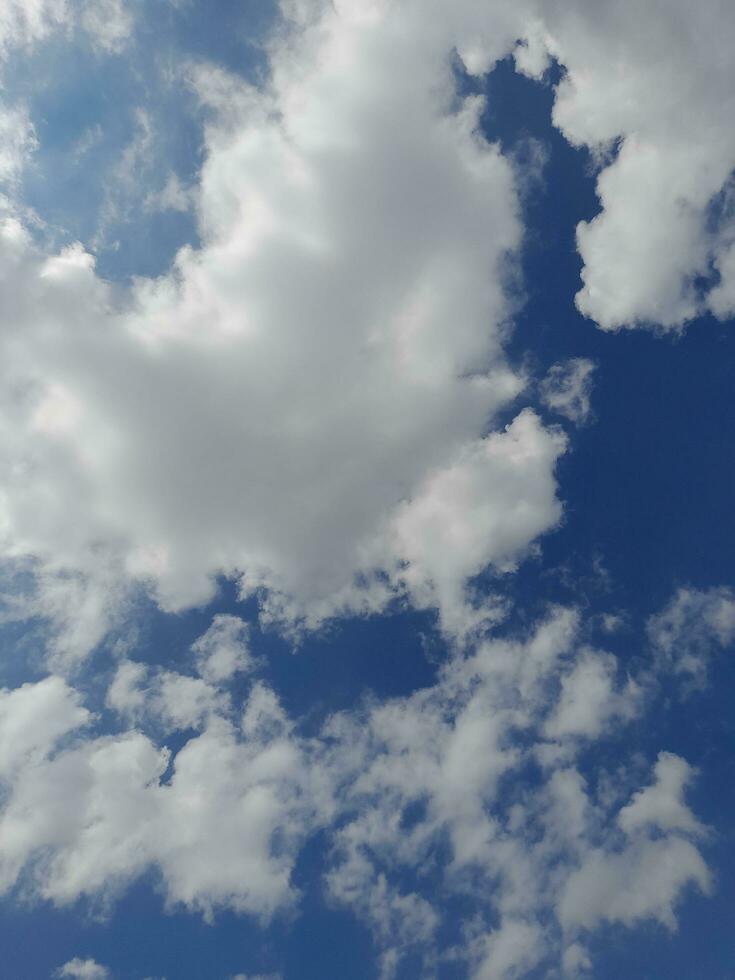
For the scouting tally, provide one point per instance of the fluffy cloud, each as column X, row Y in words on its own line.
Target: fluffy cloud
column 173, row 700
column 86, row 818
column 642, row 879
column 223, row 650
column 33, row 718
column 322, row 371
column 297, row 393
column 640, row 882
column 308, row 402
column 650, row 91
column 78, row 969
column 691, row 627
column 447, row 771
column 588, row 700
column 418, row 796
column 661, row 805
column 304, row 401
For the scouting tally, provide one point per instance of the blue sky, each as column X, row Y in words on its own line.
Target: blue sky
column 366, row 480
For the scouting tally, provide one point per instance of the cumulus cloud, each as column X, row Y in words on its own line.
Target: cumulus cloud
column 33, row 718
column 287, row 403
column 25, row 21
column 140, row 693
column 308, row 403
column 166, row 697
column 588, row 701
column 224, row 650
column 448, row 768
column 435, row 784
column 640, row 882
column 223, row 829
column 649, row 93
column 78, row 969
column 689, row 630
column 485, row 509
column 661, row 805
column 303, row 402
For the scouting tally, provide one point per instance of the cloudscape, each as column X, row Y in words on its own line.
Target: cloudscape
column 367, row 593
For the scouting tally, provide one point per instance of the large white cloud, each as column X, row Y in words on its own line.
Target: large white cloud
column 293, row 399
column 656, row 83
column 294, row 395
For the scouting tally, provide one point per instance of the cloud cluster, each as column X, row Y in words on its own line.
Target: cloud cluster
column 302, row 398
column 450, row 770
column 308, row 402
column 84, row 814
column 303, row 402
column 483, row 785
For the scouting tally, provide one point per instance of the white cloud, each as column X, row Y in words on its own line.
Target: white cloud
column 485, row 509
column 163, row 697
column 321, row 372
column 108, row 22
column 645, row 877
column 656, row 80
column 140, row 693
column 511, row 951
column 173, row 196
column 78, row 969
column 223, row 831
column 589, row 700
column 33, row 718
column 691, row 627
column 308, row 402
column 23, row 22
column 575, row 961
column 304, row 401
column 449, row 766
column 260, row 976
column 642, row 881
column 435, row 783
column 223, row 650
column 17, row 141
column 567, row 389
column 661, row 805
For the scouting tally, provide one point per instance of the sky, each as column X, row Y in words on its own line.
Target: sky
column 366, row 584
